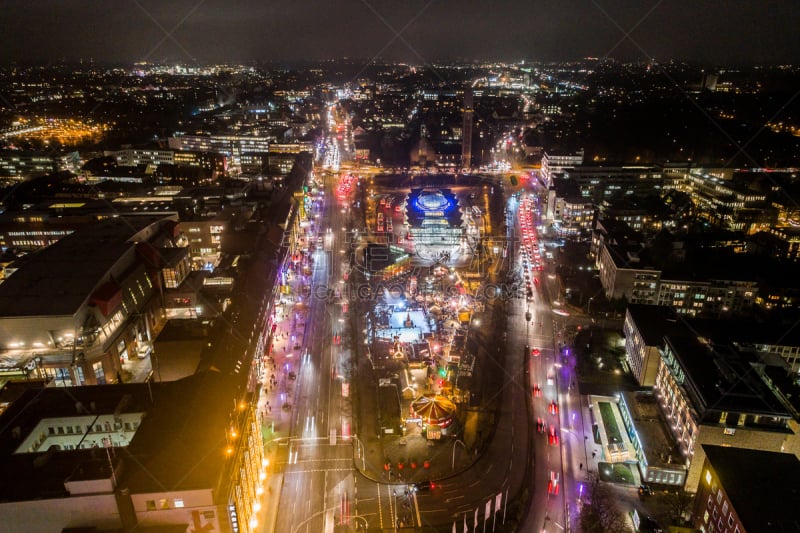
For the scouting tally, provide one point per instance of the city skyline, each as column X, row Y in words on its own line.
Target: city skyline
column 376, row 266
column 417, row 32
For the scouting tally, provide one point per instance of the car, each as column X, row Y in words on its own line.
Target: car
column 541, row 426
column 537, row 391
column 423, row 486
column 552, row 408
column 292, row 376
column 550, row 379
column 536, row 352
column 552, row 483
column 645, row 490
column 552, row 437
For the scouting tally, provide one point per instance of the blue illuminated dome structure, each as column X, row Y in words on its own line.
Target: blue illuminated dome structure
column 432, row 201
column 435, row 220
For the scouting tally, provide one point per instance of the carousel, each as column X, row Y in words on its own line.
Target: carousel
column 434, row 410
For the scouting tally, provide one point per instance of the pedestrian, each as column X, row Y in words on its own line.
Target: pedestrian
column 581, row 467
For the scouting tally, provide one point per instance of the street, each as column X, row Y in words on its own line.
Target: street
column 328, row 476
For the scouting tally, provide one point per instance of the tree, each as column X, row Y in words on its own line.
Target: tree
column 600, row 513
column 679, row 503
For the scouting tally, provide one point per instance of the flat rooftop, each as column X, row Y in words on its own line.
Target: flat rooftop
column 181, row 442
column 653, row 322
column 41, row 474
column 57, row 280
column 761, row 486
column 659, row 446
column 724, row 378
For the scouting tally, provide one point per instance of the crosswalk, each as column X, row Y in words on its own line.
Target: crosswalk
column 348, row 498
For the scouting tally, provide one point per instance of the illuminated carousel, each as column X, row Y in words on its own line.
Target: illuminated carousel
column 434, row 411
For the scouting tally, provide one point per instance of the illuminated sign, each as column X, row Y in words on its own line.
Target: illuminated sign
column 234, row 518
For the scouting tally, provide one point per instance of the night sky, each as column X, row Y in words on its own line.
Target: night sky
column 707, row 31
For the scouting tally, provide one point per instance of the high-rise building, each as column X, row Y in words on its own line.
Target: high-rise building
column 466, row 136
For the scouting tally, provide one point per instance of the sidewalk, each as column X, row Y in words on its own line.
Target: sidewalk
column 281, row 360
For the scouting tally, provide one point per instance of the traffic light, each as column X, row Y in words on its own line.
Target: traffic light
column 442, row 372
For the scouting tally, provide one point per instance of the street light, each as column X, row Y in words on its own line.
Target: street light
column 457, row 441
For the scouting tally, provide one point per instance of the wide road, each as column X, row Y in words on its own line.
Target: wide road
column 321, row 487
column 553, row 370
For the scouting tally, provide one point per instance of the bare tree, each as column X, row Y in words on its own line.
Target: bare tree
column 680, row 503
column 600, row 514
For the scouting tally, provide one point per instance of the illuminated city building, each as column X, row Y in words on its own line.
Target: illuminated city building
column 14, row 164
column 726, row 396
column 132, row 456
column 132, row 157
column 435, row 220
column 597, row 183
column 626, row 270
column 553, row 164
column 746, row 491
column 232, row 146
column 212, row 163
column 96, row 303
column 727, row 203
column 466, row 138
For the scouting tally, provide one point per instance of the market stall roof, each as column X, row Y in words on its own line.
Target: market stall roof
column 433, row 409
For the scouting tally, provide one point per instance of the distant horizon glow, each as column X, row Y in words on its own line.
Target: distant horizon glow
column 415, row 32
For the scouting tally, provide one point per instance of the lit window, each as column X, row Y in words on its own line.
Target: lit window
column 177, row 503
column 708, row 477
